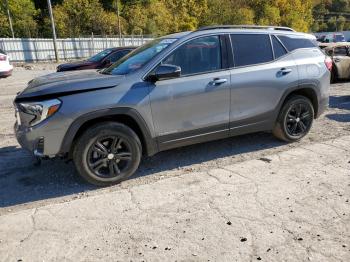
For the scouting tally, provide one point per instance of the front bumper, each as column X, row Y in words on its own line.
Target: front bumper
column 6, row 73
column 27, row 142
column 44, row 139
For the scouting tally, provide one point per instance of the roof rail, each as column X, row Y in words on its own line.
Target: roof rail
column 281, row 28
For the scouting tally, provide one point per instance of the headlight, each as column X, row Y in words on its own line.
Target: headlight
column 40, row 110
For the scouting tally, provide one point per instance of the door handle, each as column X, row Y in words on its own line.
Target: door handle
column 285, row 71
column 218, row 81
column 336, row 60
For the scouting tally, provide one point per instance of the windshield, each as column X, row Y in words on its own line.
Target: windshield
column 138, row 58
column 100, row 55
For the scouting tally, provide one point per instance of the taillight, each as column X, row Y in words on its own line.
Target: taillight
column 2, row 57
column 329, row 63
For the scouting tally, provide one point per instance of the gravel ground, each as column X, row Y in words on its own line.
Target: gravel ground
column 293, row 206
column 23, row 185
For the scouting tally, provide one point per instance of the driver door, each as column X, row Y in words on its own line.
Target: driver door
column 196, row 106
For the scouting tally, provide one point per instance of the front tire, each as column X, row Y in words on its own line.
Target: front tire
column 107, row 154
column 295, row 119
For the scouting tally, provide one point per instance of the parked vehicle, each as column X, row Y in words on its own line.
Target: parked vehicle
column 101, row 60
column 321, row 38
column 176, row 90
column 5, row 66
column 334, row 38
column 340, row 55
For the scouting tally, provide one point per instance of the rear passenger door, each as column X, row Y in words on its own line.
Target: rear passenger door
column 262, row 71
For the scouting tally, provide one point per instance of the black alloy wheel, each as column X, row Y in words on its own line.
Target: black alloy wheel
column 298, row 120
column 109, row 156
column 107, row 153
column 295, row 119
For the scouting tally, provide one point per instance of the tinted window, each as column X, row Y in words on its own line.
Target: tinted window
column 100, row 56
column 292, row 42
column 197, row 56
column 117, row 55
column 251, row 49
column 340, row 51
column 278, row 48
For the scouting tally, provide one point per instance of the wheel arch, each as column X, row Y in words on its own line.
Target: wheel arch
column 308, row 91
column 128, row 116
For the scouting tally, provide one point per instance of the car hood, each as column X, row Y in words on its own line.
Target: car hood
column 76, row 64
column 65, row 83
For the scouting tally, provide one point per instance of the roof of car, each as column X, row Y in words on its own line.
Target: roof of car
column 122, row 48
column 257, row 29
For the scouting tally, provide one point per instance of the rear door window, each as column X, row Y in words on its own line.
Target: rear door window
column 251, row 49
column 197, row 56
column 292, row 42
column 278, row 48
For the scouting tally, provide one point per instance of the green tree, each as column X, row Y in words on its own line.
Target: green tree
column 82, row 17
column 332, row 24
column 341, row 21
column 23, row 15
column 340, row 5
column 220, row 12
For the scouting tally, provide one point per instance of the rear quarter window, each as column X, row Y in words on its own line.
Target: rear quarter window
column 293, row 43
column 251, row 49
column 278, row 48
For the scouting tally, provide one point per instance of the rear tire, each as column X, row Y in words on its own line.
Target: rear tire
column 107, row 154
column 295, row 119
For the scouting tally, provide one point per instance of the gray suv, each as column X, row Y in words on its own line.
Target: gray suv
column 176, row 90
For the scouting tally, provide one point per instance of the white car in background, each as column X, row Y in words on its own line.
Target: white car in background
column 5, row 66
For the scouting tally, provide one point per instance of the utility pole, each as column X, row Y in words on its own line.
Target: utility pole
column 9, row 17
column 53, row 30
column 119, row 27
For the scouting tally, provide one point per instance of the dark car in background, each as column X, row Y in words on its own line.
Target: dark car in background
column 101, row 60
column 334, row 38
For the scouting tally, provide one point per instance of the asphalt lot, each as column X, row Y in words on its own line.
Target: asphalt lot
column 276, row 190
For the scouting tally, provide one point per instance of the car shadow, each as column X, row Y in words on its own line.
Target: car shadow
column 339, row 102
column 344, row 118
column 21, row 182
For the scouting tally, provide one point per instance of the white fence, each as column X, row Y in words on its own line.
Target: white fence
column 42, row 49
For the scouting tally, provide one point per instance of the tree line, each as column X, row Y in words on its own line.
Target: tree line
column 74, row 18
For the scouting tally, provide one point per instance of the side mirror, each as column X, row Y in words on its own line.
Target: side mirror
column 164, row 72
